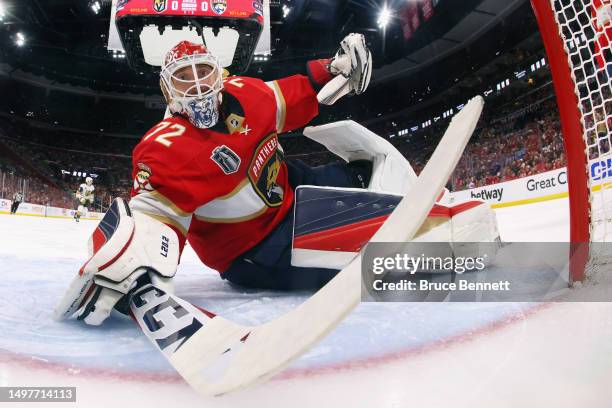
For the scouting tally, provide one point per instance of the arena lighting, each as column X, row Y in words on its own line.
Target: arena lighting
column 2, row 11
column 261, row 57
column 384, row 17
column 20, row 39
column 95, row 6
column 286, row 10
column 118, row 54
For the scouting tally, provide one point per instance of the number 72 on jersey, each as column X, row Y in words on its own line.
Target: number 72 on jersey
column 168, row 130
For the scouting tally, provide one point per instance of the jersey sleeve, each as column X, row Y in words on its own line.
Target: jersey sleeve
column 318, row 72
column 296, row 102
column 168, row 181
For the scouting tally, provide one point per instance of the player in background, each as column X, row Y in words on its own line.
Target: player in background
column 601, row 13
column 85, row 197
column 17, row 199
column 214, row 174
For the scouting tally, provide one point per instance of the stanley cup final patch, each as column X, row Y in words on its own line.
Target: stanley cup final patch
column 264, row 169
column 226, row 159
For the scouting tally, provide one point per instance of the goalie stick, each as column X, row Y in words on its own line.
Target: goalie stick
column 216, row 356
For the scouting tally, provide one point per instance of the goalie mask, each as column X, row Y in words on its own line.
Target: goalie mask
column 191, row 80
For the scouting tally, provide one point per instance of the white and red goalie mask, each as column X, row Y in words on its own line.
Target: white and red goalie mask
column 191, row 80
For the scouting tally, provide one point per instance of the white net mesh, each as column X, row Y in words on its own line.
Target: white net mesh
column 586, row 28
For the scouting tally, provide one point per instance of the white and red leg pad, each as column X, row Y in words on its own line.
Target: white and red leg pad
column 332, row 224
column 122, row 244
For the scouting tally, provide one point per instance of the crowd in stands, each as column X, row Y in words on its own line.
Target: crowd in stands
column 515, row 141
column 598, row 121
column 507, row 150
column 48, row 167
column 14, row 179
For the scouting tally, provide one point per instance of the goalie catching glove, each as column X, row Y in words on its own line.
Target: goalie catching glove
column 352, row 66
column 125, row 249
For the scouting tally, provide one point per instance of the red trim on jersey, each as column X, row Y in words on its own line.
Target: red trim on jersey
column 301, row 103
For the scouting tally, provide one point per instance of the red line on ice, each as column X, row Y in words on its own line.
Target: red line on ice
column 364, row 363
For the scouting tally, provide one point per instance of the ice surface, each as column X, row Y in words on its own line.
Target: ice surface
column 398, row 347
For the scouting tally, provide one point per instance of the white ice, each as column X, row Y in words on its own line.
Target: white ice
column 382, row 355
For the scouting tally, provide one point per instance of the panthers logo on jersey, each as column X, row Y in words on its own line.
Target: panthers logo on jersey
column 264, row 170
column 141, row 181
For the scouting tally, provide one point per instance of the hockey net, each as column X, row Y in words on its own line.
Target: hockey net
column 576, row 35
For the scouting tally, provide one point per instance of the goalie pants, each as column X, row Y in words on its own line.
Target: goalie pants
column 268, row 264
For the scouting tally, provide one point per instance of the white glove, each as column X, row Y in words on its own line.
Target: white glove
column 124, row 248
column 353, row 61
column 353, row 66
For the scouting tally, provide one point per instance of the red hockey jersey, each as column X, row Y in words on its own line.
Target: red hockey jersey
column 224, row 188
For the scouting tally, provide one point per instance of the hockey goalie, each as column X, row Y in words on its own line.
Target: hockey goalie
column 213, row 174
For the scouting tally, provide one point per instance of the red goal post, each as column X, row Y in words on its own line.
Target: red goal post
column 576, row 44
